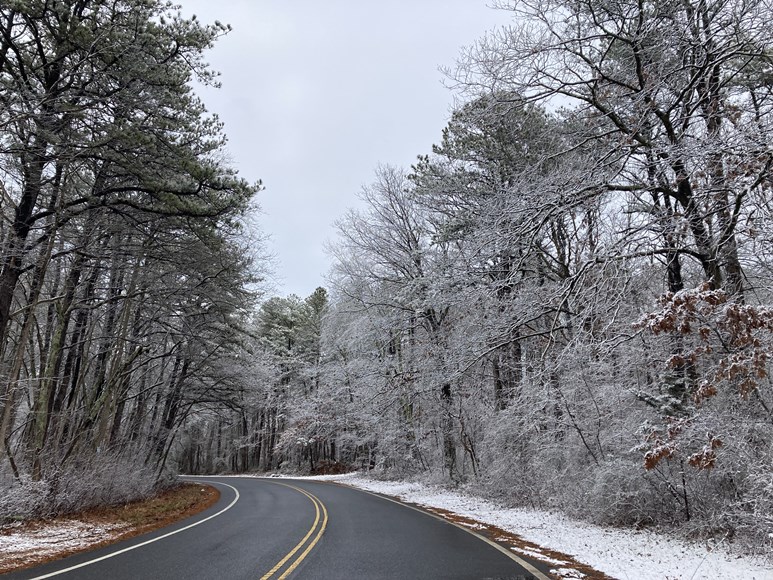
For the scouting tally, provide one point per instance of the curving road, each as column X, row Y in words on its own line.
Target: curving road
column 272, row 529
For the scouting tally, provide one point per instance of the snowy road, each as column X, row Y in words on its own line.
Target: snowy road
column 270, row 529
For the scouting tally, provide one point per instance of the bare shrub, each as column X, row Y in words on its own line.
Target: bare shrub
column 77, row 487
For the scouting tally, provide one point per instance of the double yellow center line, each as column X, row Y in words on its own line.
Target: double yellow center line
column 319, row 525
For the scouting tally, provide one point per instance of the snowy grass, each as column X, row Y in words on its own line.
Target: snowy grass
column 623, row 554
column 54, row 538
column 35, row 545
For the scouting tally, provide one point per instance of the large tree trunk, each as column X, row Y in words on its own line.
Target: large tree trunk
column 10, row 398
column 15, row 251
column 41, row 412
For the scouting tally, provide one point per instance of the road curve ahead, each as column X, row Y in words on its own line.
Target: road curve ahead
column 271, row 529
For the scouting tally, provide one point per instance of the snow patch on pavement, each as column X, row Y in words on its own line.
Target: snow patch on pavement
column 623, row 554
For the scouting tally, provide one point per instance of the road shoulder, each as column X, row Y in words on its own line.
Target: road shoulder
column 29, row 544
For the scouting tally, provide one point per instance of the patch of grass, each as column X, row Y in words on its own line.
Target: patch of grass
column 182, row 501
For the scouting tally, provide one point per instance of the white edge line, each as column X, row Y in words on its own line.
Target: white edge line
column 523, row 563
column 146, row 542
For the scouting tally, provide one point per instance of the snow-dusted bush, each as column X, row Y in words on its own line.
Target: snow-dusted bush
column 104, row 481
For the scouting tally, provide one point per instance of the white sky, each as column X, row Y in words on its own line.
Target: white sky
column 317, row 93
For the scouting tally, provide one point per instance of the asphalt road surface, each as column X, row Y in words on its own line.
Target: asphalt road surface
column 265, row 529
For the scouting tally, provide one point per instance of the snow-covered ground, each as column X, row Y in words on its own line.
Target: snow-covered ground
column 20, row 546
column 623, row 554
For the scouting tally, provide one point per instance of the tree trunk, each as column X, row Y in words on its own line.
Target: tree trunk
column 447, row 427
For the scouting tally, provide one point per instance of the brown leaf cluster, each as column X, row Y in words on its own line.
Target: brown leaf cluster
column 706, row 458
column 664, row 445
column 683, row 310
column 729, row 347
column 718, row 324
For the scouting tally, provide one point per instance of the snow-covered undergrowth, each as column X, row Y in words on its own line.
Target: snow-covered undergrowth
column 623, row 554
column 76, row 488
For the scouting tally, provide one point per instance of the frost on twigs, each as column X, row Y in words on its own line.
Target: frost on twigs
column 717, row 345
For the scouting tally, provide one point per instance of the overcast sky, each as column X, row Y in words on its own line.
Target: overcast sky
column 315, row 94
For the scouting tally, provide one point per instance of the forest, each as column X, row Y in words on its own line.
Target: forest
column 565, row 304
column 126, row 269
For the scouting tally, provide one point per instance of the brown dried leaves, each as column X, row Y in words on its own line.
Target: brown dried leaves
column 722, row 343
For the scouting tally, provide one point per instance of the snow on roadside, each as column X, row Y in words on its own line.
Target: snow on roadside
column 623, row 554
column 54, row 538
